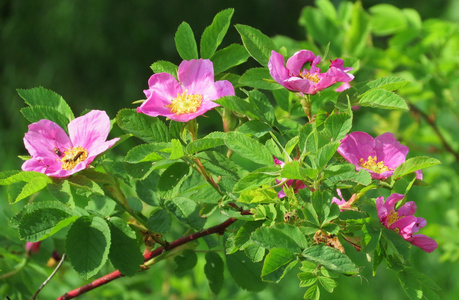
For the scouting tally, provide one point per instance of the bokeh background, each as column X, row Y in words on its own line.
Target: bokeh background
column 96, row 54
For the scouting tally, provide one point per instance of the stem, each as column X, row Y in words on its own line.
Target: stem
column 49, row 278
column 306, row 104
column 219, row 229
column 434, row 126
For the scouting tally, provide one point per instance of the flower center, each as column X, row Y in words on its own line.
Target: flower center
column 392, row 218
column 373, row 165
column 185, row 103
column 312, row 77
column 73, row 157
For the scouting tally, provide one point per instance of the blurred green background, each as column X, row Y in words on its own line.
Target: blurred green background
column 96, row 54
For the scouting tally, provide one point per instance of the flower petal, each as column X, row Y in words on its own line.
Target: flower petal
column 90, row 131
column 165, row 86
column 389, row 150
column 355, row 146
column 297, row 61
column 424, row 242
column 408, row 209
column 196, row 75
column 276, row 67
column 217, row 90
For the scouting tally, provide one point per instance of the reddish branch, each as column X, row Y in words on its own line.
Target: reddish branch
column 218, row 229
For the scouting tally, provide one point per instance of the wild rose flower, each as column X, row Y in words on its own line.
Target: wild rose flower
column 295, row 77
column 32, row 247
column 294, row 183
column 403, row 221
column 58, row 155
column 380, row 156
column 189, row 97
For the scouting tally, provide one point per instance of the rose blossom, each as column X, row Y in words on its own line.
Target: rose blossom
column 56, row 154
column 380, row 156
column 189, row 97
column 403, row 221
column 295, row 77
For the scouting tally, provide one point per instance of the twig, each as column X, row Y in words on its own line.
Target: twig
column 219, row 229
column 436, row 129
column 49, row 278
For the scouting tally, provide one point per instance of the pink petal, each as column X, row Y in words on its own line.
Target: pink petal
column 217, row 90
column 276, row 67
column 419, row 174
column 355, row 146
column 305, row 86
column 389, row 150
column 344, row 87
column 164, row 86
column 392, row 200
column 408, row 209
column 424, row 242
column 90, row 131
column 297, row 61
column 278, row 162
column 196, row 75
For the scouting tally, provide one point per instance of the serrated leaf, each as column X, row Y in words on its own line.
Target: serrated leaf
column 214, row 271
column 124, row 253
column 257, row 44
column 35, row 185
column 388, row 83
column 259, row 78
column 338, row 125
column 218, row 164
column 163, row 66
column 36, row 113
column 40, row 220
column 159, row 221
column 171, row 178
column 331, row 259
column 9, row 177
column 255, row 128
column 185, row 42
column 185, row 261
column 245, row 273
column 380, row 98
column 313, row 293
column 324, row 154
column 149, row 129
column 255, row 252
column 276, row 259
column 413, row 164
column 203, row 144
column 214, row 33
column 257, row 178
column 293, row 170
column 248, row 148
column 40, row 96
column 177, row 149
column 186, row 211
column 84, row 183
column 239, row 105
column 148, row 152
column 328, row 283
column 229, row 57
column 281, row 235
column 87, row 245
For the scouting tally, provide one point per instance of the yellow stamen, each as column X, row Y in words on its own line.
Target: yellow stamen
column 373, row 165
column 73, row 157
column 313, row 77
column 185, row 103
column 392, row 218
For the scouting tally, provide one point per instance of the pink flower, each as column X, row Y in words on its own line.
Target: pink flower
column 58, row 155
column 403, row 221
column 296, row 77
column 296, row 184
column 380, row 156
column 190, row 97
column 343, row 204
column 32, row 247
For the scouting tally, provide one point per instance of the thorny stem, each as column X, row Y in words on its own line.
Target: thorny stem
column 49, row 278
column 218, row 229
column 434, row 126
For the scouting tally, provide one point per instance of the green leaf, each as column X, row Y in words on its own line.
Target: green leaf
column 36, row 113
column 262, row 106
column 84, row 183
column 255, row 252
column 255, row 128
column 259, row 78
column 257, row 44
column 313, row 293
column 346, row 172
column 357, row 34
column 9, row 177
column 214, row 271
column 124, row 253
column 257, row 178
column 229, row 57
column 203, row 144
column 185, row 261
column 381, row 25
column 248, row 148
column 163, row 66
column 171, row 178
column 331, row 259
column 324, row 154
column 262, row 195
column 281, row 235
column 148, row 152
column 185, row 42
column 218, row 164
column 40, row 96
column 34, row 182
column 149, row 129
column 159, row 221
column 40, row 220
column 293, row 170
column 186, row 211
column 245, row 273
column 338, row 125
column 214, row 33
column 177, row 149
column 240, row 105
column 275, row 263
column 388, row 83
column 35, row 185
column 380, row 98
column 87, row 245
column 328, row 283
column 413, row 164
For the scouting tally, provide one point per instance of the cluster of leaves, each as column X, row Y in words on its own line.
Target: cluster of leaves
column 172, row 184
